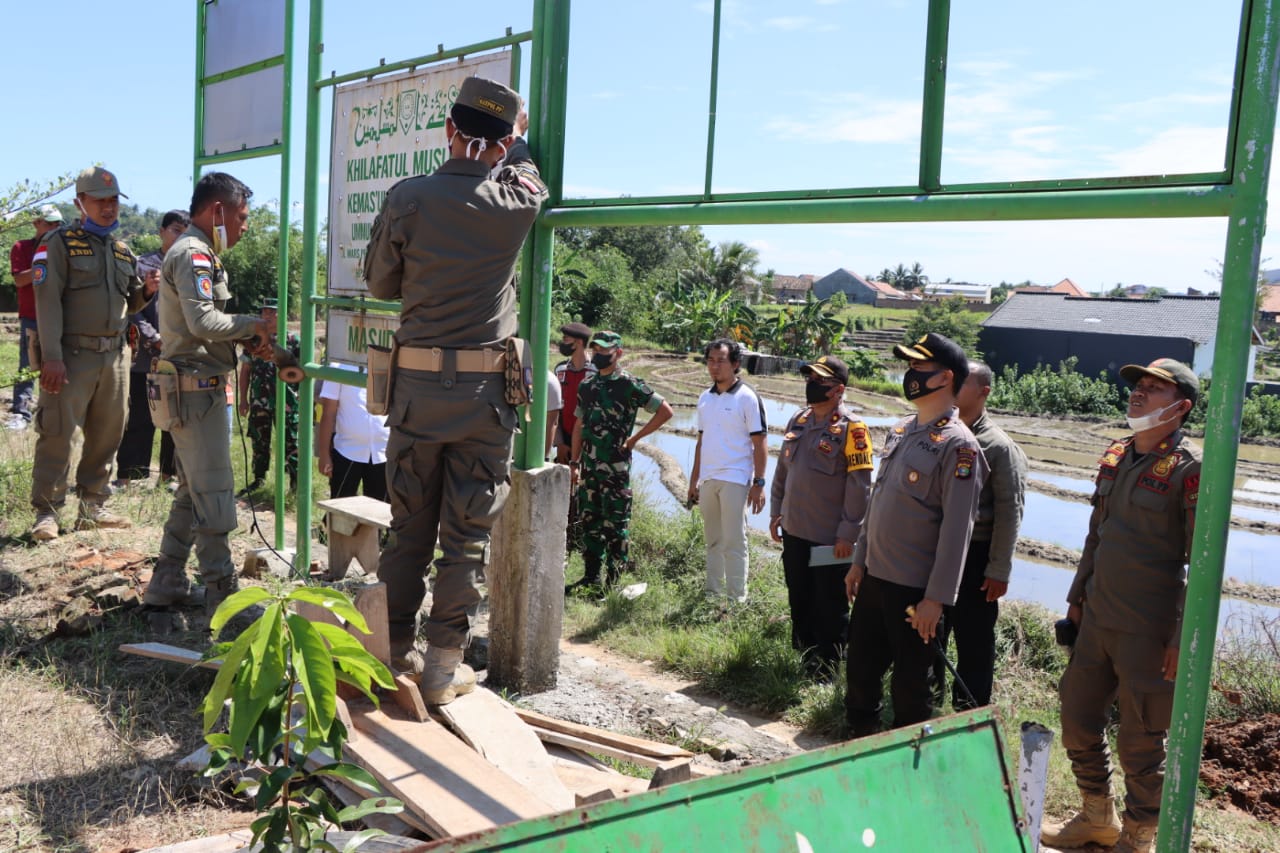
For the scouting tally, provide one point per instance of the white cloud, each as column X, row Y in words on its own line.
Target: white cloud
column 606, row 95
column 1178, row 149
column 865, row 120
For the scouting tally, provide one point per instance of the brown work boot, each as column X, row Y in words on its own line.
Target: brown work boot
column 94, row 516
column 444, row 676
column 1135, row 838
column 406, row 658
column 1096, row 822
column 46, row 527
column 168, row 587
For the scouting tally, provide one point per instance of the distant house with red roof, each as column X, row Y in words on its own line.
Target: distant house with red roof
column 1269, row 310
column 1066, row 287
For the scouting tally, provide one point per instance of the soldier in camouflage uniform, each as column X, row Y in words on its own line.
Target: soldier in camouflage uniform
column 608, row 402
column 258, row 402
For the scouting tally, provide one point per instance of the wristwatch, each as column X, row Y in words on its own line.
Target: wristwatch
column 758, row 481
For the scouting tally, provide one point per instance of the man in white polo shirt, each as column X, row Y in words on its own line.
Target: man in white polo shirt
column 728, row 468
column 351, row 443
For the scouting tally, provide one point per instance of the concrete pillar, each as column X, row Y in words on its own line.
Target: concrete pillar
column 526, row 581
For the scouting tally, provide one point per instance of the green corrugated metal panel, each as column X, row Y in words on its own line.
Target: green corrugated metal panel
column 900, row 791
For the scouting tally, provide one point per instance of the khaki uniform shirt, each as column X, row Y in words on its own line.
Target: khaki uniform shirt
column 1132, row 572
column 823, row 478
column 446, row 245
column 922, row 508
column 1001, row 500
column 198, row 337
column 84, row 285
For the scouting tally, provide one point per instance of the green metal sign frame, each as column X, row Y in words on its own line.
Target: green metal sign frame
column 1237, row 192
column 281, row 147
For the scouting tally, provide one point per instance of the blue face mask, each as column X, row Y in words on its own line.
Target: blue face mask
column 94, row 228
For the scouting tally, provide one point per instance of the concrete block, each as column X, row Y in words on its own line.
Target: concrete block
column 526, row 581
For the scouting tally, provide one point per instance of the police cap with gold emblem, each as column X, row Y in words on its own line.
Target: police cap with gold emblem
column 827, row 367
column 97, row 182
column 485, row 108
column 939, row 349
column 1168, row 370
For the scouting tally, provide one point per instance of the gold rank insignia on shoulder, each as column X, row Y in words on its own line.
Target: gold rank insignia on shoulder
column 899, row 430
column 937, row 437
column 1164, row 445
column 790, row 436
column 803, row 417
column 941, row 422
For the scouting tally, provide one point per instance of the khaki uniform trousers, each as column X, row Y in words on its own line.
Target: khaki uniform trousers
column 204, row 507
column 448, row 466
column 94, row 400
column 1107, row 666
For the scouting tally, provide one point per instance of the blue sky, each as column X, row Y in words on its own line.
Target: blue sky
column 813, row 93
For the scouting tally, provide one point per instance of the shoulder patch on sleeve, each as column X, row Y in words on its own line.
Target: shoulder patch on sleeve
column 965, row 458
column 1191, row 489
column 204, row 284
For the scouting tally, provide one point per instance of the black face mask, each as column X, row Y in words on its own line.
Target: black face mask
column 602, row 360
column 816, row 392
column 566, row 349
column 915, row 383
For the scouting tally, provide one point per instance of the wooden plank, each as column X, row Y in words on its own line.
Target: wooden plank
column 437, row 776
column 349, row 795
column 584, row 781
column 409, row 698
column 490, row 726
column 584, row 745
column 225, row 843
column 371, row 601
column 173, row 654
column 607, row 738
column 363, row 509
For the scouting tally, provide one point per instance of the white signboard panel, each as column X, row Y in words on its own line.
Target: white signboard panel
column 349, row 333
column 244, row 112
column 384, row 131
column 241, row 32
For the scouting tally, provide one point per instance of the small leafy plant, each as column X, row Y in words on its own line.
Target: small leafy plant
column 278, row 687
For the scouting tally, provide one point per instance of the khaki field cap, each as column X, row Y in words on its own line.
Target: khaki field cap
column 1168, row 370
column 97, row 182
column 491, row 98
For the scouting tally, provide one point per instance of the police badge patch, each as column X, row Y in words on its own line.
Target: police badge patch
column 204, row 285
column 965, row 457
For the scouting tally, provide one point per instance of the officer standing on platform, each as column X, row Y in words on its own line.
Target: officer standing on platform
column 86, row 285
column 188, row 392
column 446, row 244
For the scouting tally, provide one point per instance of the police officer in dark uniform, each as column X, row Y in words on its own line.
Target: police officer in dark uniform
column 86, row 286
column 446, row 245
column 910, row 554
column 819, row 497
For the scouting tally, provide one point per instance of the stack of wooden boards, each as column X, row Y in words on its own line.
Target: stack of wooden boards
column 480, row 762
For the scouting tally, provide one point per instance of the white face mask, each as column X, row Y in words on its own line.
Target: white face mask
column 1151, row 421
column 220, row 236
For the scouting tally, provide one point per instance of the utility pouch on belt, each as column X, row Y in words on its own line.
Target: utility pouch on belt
column 518, row 373
column 163, row 398
column 34, row 358
column 382, row 362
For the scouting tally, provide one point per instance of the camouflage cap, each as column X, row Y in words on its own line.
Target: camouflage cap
column 491, row 98
column 606, row 340
column 97, row 182
column 1168, row 370
column 268, row 305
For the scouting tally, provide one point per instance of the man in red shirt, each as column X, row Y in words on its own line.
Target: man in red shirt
column 571, row 372
column 20, row 256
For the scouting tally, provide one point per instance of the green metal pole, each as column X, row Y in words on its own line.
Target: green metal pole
column 198, row 147
column 935, row 94
column 1148, row 203
column 282, row 316
column 711, row 107
column 1253, row 146
column 550, row 61
column 310, row 245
